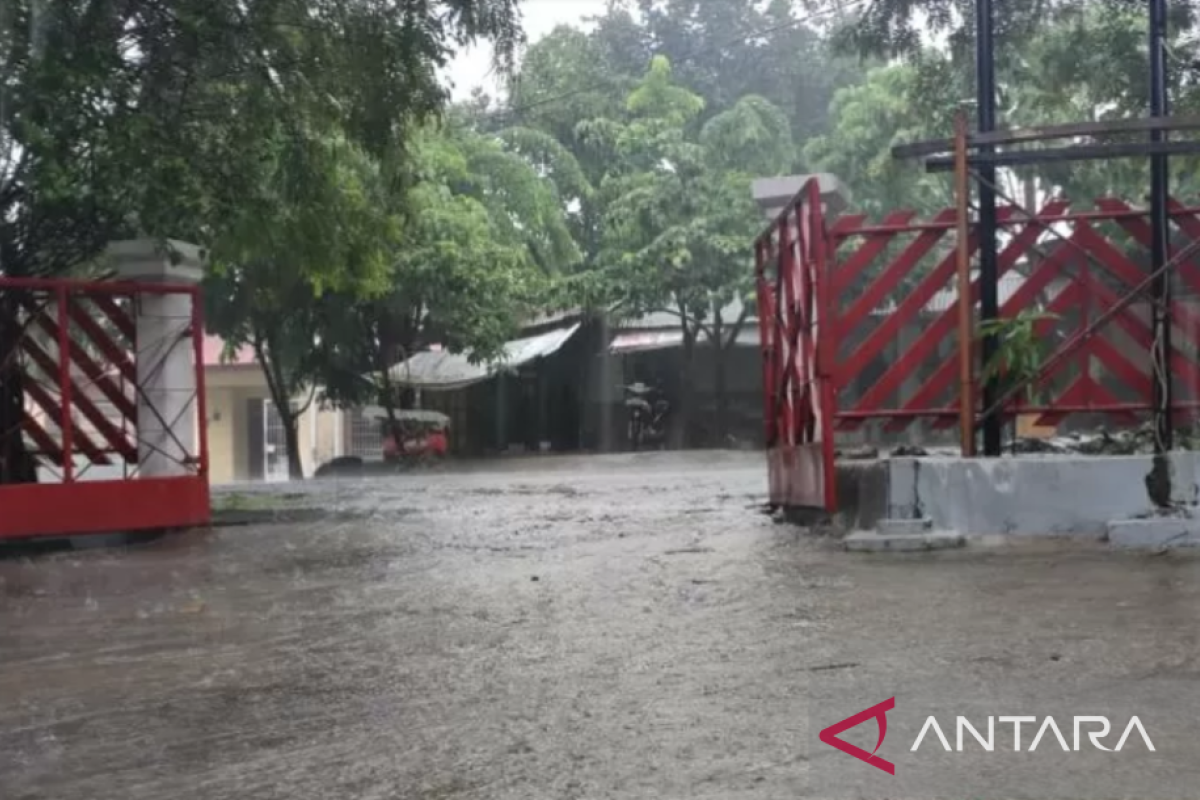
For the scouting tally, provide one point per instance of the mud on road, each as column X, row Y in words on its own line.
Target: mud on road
column 625, row 627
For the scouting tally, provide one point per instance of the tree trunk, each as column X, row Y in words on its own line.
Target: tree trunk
column 281, row 398
column 604, row 422
column 17, row 465
column 720, row 381
column 721, row 391
column 680, row 433
column 291, row 440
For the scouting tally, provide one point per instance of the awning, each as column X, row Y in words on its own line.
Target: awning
column 443, row 371
column 646, row 341
column 407, row 415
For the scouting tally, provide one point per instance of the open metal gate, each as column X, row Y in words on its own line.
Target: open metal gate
column 89, row 418
column 859, row 324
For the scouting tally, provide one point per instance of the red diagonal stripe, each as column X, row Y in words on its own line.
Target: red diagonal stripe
column 847, row 270
column 79, row 439
column 926, row 343
column 118, row 316
column 901, row 267
column 115, row 437
column 90, row 368
column 44, row 442
column 118, row 356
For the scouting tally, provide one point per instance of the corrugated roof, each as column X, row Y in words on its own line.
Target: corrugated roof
column 665, row 319
column 441, row 370
column 645, row 341
column 553, row 317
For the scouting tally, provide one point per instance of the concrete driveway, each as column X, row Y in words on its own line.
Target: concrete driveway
column 613, row 627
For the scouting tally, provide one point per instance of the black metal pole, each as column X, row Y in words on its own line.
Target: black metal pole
column 1160, row 242
column 989, row 301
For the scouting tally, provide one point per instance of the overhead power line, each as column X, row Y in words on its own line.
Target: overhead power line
column 813, row 16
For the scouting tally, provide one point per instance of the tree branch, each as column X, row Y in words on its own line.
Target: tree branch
column 735, row 329
column 685, row 318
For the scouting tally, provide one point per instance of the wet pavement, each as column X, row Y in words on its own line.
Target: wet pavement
column 616, row 627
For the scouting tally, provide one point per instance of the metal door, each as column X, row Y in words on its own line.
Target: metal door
column 275, row 462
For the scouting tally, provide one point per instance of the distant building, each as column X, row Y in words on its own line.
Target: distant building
column 560, row 385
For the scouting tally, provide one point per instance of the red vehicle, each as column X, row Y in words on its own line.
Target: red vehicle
column 423, row 434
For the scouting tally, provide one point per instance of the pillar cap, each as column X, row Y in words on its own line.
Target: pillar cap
column 156, row 261
column 773, row 194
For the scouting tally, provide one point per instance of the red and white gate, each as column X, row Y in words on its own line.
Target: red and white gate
column 797, row 374
column 99, row 409
column 858, row 325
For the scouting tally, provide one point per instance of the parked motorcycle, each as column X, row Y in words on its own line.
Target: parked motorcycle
column 646, row 410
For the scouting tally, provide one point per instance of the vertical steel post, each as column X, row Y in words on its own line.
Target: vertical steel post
column 1160, row 243
column 966, row 335
column 67, row 427
column 763, row 252
column 826, row 344
column 197, row 333
column 989, row 299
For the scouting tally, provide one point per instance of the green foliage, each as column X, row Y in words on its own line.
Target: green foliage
column 302, row 143
column 484, row 245
column 725, row 50
column 152, row 118
column 869, row 119
column 678, row 212
column 1057, row 61
column 1020, row 352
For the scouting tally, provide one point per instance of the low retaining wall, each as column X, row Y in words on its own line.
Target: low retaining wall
column 1042, row 495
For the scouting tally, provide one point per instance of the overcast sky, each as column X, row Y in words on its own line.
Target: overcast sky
column 473, row 67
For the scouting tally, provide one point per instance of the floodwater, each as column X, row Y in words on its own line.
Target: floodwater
column 614, row 627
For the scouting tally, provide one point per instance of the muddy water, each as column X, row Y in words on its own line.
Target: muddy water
column 605, row 628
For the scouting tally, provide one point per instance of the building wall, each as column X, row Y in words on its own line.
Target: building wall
column 324, row 446
column 228, row 395
column 221, row 435
column 240, row 452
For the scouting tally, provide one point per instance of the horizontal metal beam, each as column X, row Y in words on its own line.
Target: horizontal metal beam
column 1048, row 132
column 1085, row 152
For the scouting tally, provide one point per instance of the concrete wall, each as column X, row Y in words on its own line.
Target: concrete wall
column 1034, row 495
column 325, row 444
column 228, row 392
column 222, row 420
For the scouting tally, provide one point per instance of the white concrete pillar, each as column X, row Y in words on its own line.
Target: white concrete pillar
column 773, row 194
column 168, row 428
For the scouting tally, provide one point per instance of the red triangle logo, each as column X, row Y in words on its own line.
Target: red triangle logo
column 878, row 713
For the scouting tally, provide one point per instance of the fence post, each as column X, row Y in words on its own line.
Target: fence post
column 762, row 253
column 61, row 298
column 966, row 337
column 826, row 344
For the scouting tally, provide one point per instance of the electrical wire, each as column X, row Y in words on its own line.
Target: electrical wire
column 846, row 5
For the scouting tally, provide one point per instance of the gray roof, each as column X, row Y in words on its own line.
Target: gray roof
column 441, row 370
column 656, row 320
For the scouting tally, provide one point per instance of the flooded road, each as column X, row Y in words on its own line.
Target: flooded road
column 618, row 627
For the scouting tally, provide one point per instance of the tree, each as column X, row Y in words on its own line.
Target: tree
column 724, row 50
column 867, row 121
column 483, row 242
column 1057, row 61
column 143, row 119
column 891, row 28
column 679, row 219
column 316, row 231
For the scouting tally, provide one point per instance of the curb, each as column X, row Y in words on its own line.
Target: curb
column 234, row 518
